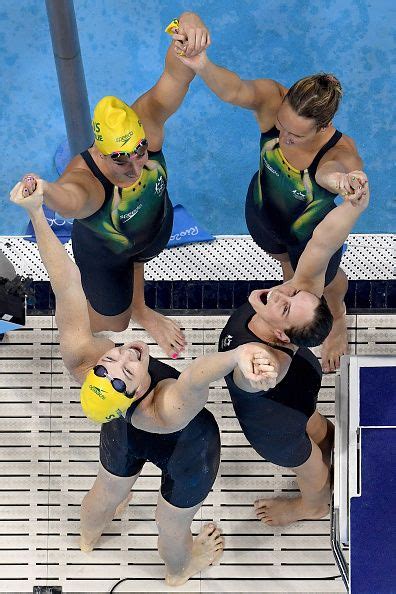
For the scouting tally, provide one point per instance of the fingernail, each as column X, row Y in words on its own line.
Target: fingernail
column 174, row 356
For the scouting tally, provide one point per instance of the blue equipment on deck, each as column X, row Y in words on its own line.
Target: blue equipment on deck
column 363, row 519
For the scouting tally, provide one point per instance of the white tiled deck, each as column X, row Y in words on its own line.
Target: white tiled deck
column 48, row 460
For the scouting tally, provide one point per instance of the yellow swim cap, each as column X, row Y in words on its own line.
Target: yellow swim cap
column 116, row 126
column 100, row 401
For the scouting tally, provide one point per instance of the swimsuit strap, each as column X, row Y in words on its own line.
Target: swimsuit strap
column 107, row 185
column 135, row 404
column 329, row 144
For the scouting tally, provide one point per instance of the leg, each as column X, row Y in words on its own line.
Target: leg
column 336, row 344
column 109, row 495
column 164, row 331
column 312, row 503
column 183, row 555
column 321, row 431
column 117, row 323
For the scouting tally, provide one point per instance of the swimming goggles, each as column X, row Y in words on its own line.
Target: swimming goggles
column 118, row 384
column 122, row 157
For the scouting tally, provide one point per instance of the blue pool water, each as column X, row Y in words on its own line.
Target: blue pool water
column 211, row 148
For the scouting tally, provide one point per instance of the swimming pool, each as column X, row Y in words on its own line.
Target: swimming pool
column 211, row 148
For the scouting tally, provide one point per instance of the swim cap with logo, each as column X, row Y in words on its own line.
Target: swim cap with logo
column 100, row 401
column 116, row 126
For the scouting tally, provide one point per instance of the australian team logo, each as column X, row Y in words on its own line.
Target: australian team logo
column 160, row 185
column 227, row 340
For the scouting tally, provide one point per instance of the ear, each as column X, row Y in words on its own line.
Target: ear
column 281, row 336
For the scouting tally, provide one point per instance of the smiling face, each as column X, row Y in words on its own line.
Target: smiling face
column 129, row 363
column 284, row 307
column 127, row 173
column 295, row 129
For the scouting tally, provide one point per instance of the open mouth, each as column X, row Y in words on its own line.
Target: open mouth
column 137, row 351
column 264, row 298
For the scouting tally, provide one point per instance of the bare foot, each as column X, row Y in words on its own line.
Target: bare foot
column 335, row 345
column 88, row 546
column 283, row 511
column 165, row 332
column 207, row 549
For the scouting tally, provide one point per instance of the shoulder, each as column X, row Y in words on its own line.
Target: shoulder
column 269, row 96
column 344, row 150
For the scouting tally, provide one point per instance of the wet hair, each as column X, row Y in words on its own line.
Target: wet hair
column 316, row 331
column 316, row 97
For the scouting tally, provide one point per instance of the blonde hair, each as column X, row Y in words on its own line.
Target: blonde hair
column 316, row 97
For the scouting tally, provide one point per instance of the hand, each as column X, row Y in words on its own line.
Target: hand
column 28, row 193
column 192, row 36
column 353, row 186
column 257, row 366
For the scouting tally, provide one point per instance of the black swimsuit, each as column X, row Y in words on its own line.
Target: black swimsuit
column 285, row 204
column 189, row 458
column 274, row 422
column 133, row 227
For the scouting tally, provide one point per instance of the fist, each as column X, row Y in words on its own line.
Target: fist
column 28, row 193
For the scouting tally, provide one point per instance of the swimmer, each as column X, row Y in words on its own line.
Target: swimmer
column 304, row 163
column 282, row 423
column 149, row 412
column 116, row 191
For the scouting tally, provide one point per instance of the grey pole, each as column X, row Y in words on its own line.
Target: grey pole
column 71, row 79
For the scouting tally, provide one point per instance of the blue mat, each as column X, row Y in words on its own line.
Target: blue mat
column 60, row 226
column 185, row 228
column 377, row 396
column 373, row 527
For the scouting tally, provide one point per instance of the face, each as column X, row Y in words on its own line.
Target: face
column 294, row 129
column 130, row 171
column 284, row 307
column 129, row 363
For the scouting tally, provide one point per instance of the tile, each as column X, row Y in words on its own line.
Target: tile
column 241, row 292
column 150, row 293
column 378, row 294
column 194, row 295
column 164, row 295
column 179, row 296
column 225, row 300
column 362, row 294
column 210, row 295
column 391, row 294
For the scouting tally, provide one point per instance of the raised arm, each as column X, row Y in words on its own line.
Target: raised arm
column 181, row 401
column 79, row 347
column 166, row 96
column 327, row 238
column 340, row 171
column 264, row 96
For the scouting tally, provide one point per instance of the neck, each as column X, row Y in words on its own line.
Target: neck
column 263, row 330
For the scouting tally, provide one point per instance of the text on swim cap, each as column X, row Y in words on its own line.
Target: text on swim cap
column 96, row 130
column 98, row 391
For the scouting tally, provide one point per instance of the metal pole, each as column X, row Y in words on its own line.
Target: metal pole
column 71, row 79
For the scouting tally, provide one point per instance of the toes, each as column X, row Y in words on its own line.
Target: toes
column 208, row 529
column 260, row 503
column 215, row 535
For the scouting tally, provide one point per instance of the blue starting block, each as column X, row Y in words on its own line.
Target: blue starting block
column 364, row 500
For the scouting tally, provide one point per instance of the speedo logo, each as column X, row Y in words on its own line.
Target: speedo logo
column 129, row 215
column 98, row 391
column 124, row 139
column 268, row 166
